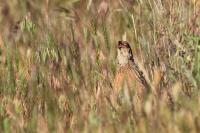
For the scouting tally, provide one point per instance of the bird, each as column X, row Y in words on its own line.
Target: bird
column 130, row 78
column 128, row 74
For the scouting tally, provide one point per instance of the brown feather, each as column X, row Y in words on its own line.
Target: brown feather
column 125, row 77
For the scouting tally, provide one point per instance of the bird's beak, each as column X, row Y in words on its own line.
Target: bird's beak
column 120, row 45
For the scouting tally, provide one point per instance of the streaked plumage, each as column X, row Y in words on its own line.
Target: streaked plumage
column 128, row 73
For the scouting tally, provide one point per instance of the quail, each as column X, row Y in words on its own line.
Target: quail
column 128, row 73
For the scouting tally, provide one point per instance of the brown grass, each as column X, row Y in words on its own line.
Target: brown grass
column 57, row 62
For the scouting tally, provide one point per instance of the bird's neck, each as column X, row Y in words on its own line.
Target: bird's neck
column 123, row 60
column 125, row 63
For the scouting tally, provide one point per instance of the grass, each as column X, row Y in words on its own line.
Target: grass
column 58, row 60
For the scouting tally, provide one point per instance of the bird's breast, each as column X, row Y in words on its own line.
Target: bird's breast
column 126, row 78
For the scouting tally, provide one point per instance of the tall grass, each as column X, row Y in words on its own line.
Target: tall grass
column 57, row 63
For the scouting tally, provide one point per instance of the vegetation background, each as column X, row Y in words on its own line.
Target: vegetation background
column 58, row 59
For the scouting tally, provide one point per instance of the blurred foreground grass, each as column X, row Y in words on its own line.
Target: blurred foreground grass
column 57, row 62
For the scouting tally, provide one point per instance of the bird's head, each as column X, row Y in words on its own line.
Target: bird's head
column 124, row 52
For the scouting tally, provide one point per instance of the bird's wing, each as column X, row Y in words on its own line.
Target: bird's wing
column 139, row 74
